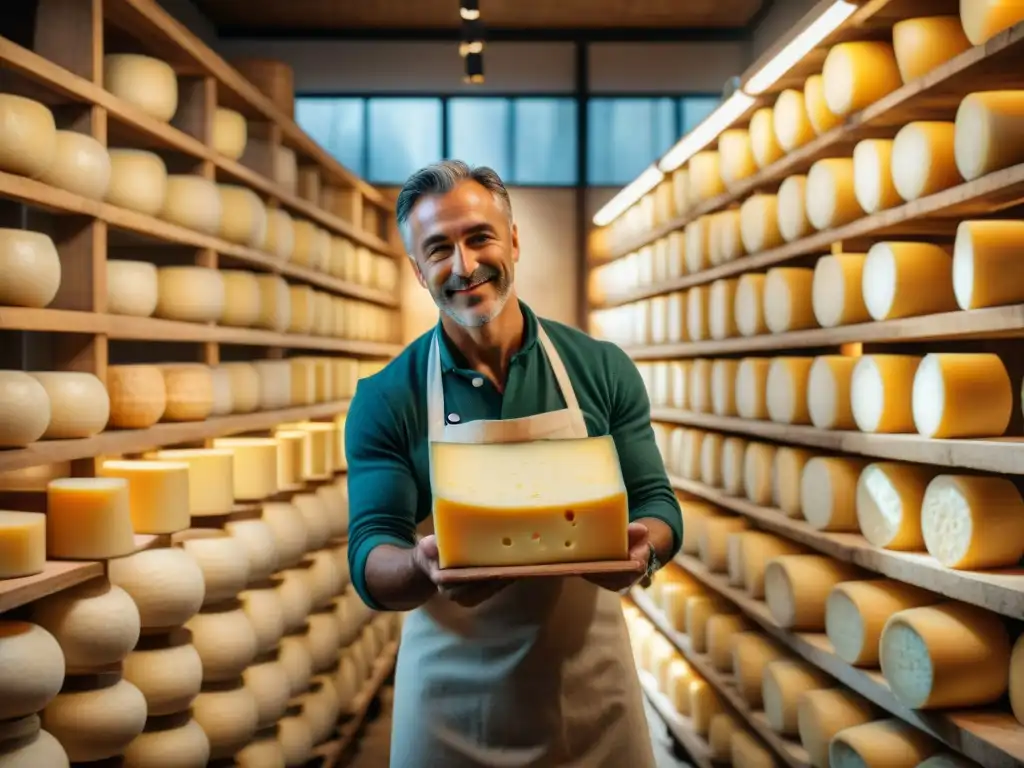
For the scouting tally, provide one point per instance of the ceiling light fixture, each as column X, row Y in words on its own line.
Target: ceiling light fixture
column 473, row 36
column 474, row 68
column 469, row 9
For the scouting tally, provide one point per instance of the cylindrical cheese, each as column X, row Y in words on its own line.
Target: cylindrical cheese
column 752, row 387
column 748, row 305
column 984, row 19
column 241, row 298
column 785, row 682
column 697, row 255
column 192, row 202
column 79, row 404
column 255, row 466
column 166, row 585
column 132, row 288
column 147, row 83
column 859, row 73
column 704, row 705
column 22, row 544
column 787, row 471
column 828, row 392
column 791, row 123
column 210, row 478
column 737, row 156
column 721, row 309
column 821, row 117
column 711, row 460
column 796, row 588
column 828, row 492
column 757, row 549
column 889, row 498
column 189, row 392
column 986, row 264
column 792, row 209
column 700, row 386
column 922, row 44
column 280, row 238
column 763, row 142
column 705, row 178
column 230, row 132
column 138, row 180
column 88, row 519
column 243, row 217
column 699, row 609
column 720, row 733
column 31, row 666
column 195, row 294
column 80, row 165
column 872, row 175
column 31, row 268
column 757, row 472
column 882, row 393
column 988, row 132
column 787, row 384
column 759, row 223
column 157, row 493
column 837, row 296
column 734, row 450
column 831, row 200
column 713, row 540
column 788, row 299
column 723, row 386
column 823, row 713
column 962, row 395
column 751, row 653
column 907, row 279
column 747, row 751
column 889, row 743
column 28, row 136
column 138, row 396
column 923, row 160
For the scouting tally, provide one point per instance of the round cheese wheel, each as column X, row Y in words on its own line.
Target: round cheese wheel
column 295, row 657
column 132, row 288
column 324, row 576
column 280, row 235
column 241, row 298
column 147, row 83
column 324, row 640
column 259, row 544
column 785, row 682
column 984, row 19
column 763, row 142
column 243, row 216
column 31, row 668
column 828, row 392
column 168, row 746
column 22, row 544
column 985, row 270
column 275, row 304
column 733, row 451
column 230, row 132
column 792, row 126
column 751, row 653
column 788, row 301
column 222, row 404
column 923, row 160
column 228, row 717
column 222, row 558
column 192, row 202
column 263, row 608
column 749, row 305
column 836, row 295
column 23, row 744
column 314, row 515
column 756, row 550
column 28, row 136
column 988, row 126
column 757, row 472
column 312, row 245
column 831, row 199
column 245, row 384
column 31, row 268
column 138, row 396
column 705, row 177
column 792, row 209
column 828, row 489
column 321, row 707
column 225, row 642
column 881, row 393
column 796, row 589
column 269, row 685
column 759, row 223
column 96, row 724
column 962, row 395
column 872, row 175
column 821, row 117
column 79, row 404
column 296, row 597
column 880, row 742
column 786, row 391
column 295, row 736
column 823, row 713
column 787, row 471
column 189, row 392
column 737, row 156
column 166, row 585
column 922, row 44
column 859, row 73
column 697, row 255
column 289, row 531
column 80, row 165
column 264, row 751
column 747, row 751
column 210, row 478
column 901, row 279
column 168, row 672
column 195, row 294
column 889, row 499
column 138, row 180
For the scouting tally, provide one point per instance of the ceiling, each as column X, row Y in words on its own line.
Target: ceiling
column 290, row 16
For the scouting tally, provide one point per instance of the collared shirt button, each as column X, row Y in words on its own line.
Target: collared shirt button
column 453, row 418
column 478, row 382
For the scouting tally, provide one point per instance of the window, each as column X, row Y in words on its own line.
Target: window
column 545, row 146
column 336, row 125
column 403, row 134
column 479, row 133
column 625, row 135
column 693, row 109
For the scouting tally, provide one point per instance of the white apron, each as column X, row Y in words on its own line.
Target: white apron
column 539, row 676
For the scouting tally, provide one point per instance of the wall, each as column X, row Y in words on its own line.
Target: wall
column 782, row 16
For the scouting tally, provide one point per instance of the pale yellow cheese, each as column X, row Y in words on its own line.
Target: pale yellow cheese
column 736, row 156
column 228, row 717
column 704, row 705
column 31, row 666
column 792, row 209
column 823, row 713
column 962, row 395
column 831, row 199
column 748, row 305
column 759, row 223
column 796, row 588
column 679, row 384
column 192, row 202
column 23, row 744
column 300, row 298
column 828, row 492
column 986, row 264
column 688, row 461
column 859, row 73
column 872, row 175
column 856, row 613
column 88, row 519
column 988, row 132
column 713, row 541
column 230, row 132
column 96, row 724
column 697, row 310
column 836, row 296
column 158, row 493
column 791, row 123
column 889, row 498
column 757, row 549
column 747, row 751
column 79, row 404
column 680, row 194
column 24, row 409
column 701, row 385
column 984, row 19
column 945, row 656
column 138, row 396
column 751, row 653
column 673, row 602
column 241, row 298
column 280, row 235
column 922, row 44
column 786, row 390
column 144, row 82
column 318, row 455
column 763, row 143
column 946, row 761
column 725, row 240
column 828, row 392
column 757, row 472
column 166, row 585
column 694, row 513
column 723, row 386
column 699, row 609
column 901, row 279
column 132, row 288
column 243, row 217
column 194, row 294
column 223, row 560
column 720, row 732
column 711, row 459
column 734, row 450
column 275, row 303
column 787, row 472
column 675, row 257
column 923, row 160
column 28, row 136
column 821, row 117
column 973, row 522
column 680, row 675
column 659, row 320
column 697, row 254
column 80, row 165
column 257, row 539
column 181, row 741
column 705, row 179
column 785, row 682
column 225, row 641
column 244, row 384
column 190, row 392
column 22, row 544
column 721, row 309
column 788, row 303
column 269, row 684
column 255, row 466
column 210, row 478
column 889, row 743
column 882, row 393
column 138, row 180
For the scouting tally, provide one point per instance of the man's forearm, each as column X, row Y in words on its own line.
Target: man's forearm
column 394, row 580
column 661, row 537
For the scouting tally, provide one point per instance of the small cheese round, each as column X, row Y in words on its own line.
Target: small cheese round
column 31, row 668
column 749, row 305
column 873, row 177
column 889, row 499
column 138, row 396
column 836, row 294
column 280, row 235
column 194, row 294
column 28, row 136
column 168, row 672
column 786, row 391
column 241, row 298
column 79, row 404
column 756, row 550
column 243, row 216
column 922, row 44
column 881, row 393
column 158, row 493
column 901, row 279
column 192, row 202
column 831, row 199
column 225, row 642
column 859, row 73
column 792, row 209
column 759, row 223
column 22, row 544
column 189, row 389
column 80, row 165
column 737, row 157
column 785, row 682
column 961, row 396
column 222, row 559
column 988, row 126
column 147, row 83
column 265, row 612
column 787, row 471
column 763, row 142
column 789, row 299
column 751, row 653
column 792, row 126
column 986, row 264
column 230, row 132
column 88, row 518
column 752, row 387
column 268, row 682
column 30, row 267
column 877, row 742
column 698, row 257
column 721, row 309
column 828, row 392
column 138, row 180
column 821, row 117
column 166, row 585
column 823, row 713
column 96, row 724
column 828, row 492
column 984, row 19
column 228, row 717
column 923, row 161
column 255, row 461
column 132, row 288
column 172, row 746
column 757, row 472
column 796, row 588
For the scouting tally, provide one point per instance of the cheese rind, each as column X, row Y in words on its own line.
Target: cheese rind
column 882, row 393
column 255, row 466
column 737, row 156
column 796, row 589
column 859, row 73
column 79, row 404
column 166, row 585
column 751, row 653
column 786, row 390
column 836, row 293
column 757, row 472
column 984, row 19
column 713, row 542
column 792, row 209
column 721, row 309
column 733, row 452
column 752, row 387
column 988, row 132
column 22, row 544
column 922, row 44
column 193, row 294
column 759, row 223
column 962, row 395
column 143, row 81
column 790, row 120
column 787, row 471
column 24, row 409
column 881, row 742
column 923, row 160
column 88, row 519
column 158, row 493
column 96, row 724
column 28, row 136
column 907, row 279
column 747, row 751
column 192, row 202
column 210, row 478
column 138, row 180
column 889, row 498
column 986, row 264
column 132, row 288
column 697, row 254
column 189, row 390
column 828, row 392
column 80, row 165
column 872, row 175
column 828, row 492
column 763, row 142
column 788, row 299
column 822, row 118
column 138, row 395
column 823, row 713
column 31, row 666
column 785, row 682
column 705, row 178
column 831, row 199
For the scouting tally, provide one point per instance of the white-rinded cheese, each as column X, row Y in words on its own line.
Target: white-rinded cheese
column 157, row 493
column 881, row 393
column 962, row 395
column 699, row 609
column 88, row 518
column 986, row 264
column 828, row 392
column 225, row 642
column 192, row 202
column 138, row 180
column 28, row 136
column 889, row 743
column 189, row 390
column 889, row 498
column 723, row 386
column 228, row 717
column 759, row 223
column 828, row 492
column 988, row 132
column 144, row 82
column 132, row 288
column 945, row 655
column 749, row 305
column 280, row 236
column 275, row 303
column 31, row 668
column 737, row 156
column 872, row 175
column 923, row 161
column 822, row 118
column 973, row 522
column 796, row 588
column 697, row 313
column 785, row 682
column 711, row 459
column 168, row 673
column 763, row 142
column 31, row 268
column 792, row 126
column 747, row 751
column 720, row 733
column 787, row 473
column 721, row 309
column 694, row 513
column 24, row 409
column 831, row 199
column 757, row 472
column 712, row 543
column 788, row 299
column 757, row 549
column 700, row 386
column 245, row 386
column 195, row 294
column 922, row 44
column 786, row 390
column 255, row 466
column 792, row 209
column 907, row 279
column 823, row 713
column 856, row 612
column 80, row 165
column 751, row 653
column 138, row 396
column 210, row 478
column 837, row 296
column 697, row 253
column 178, row 743
column 984, row 19
column 96, row 724
column 725, row 240
column 223, row 560
column 230, row 132
column 243, row 216
column 704, row 705
column 752, row 387
column 22, row 544
column 858, row 74
column 734, row 450
column 269, row 684
column 166, row 585
column 705, row 178
column 79, row 404
column 257, row 539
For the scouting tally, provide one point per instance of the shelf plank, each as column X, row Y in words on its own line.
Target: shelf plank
column 1000, row 591
column 791, row 752
column 992, row 323
column 989, row 736
column 136, row 440
column 680, row 727
column 1003, row 455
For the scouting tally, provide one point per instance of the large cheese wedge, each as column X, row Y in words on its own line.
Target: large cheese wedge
column 792, row 125
column 788, row 299
column 831, row 199
column 705, row 178
column 759, row 223
column 88, row 518
column 210, row 478
column 787, row 472
column 889, row 743
column 944, row 656
column 132, row 288
column 858, row 74
column 711, row 459
column 763, row 142
column 734, row 450
column 713, row 541
column 28, row 137
column 901, row 279
column 856, row 612
column 973, row 522
column 22, row 544
column 923, row 160
column 138, row 180
column 822, row 118
column 984, row 19
column 792, row 209
column 97, row 723
column 882, row 393
column 889, row 498
column 922, row 44
column 872, row 175
column 796, row 588
column 988, row 132
column 828, row 492
column 528, row 503
column 700, row 385
column 785, row 682
column 752, row 387
column 986, row 264
column 158, row 493
column 962, row 395
column 697, row 253
column 748, row 305
column 751, row 653
column 699, row 609
column 757, row 472
column 80, row 165
column 757, row 549
column 837, row 296
column 736, row 156
column 79, row 404
column 786, row 396
column 747, row 751
column 828, row 392
column 823, row 713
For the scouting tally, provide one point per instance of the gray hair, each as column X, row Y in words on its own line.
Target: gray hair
column 441, row 178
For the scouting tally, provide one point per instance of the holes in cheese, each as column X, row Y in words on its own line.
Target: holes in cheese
column 192, row 202
column 786, row 390
column 704, row 705
column 723, row 386
column 759, row 223
column 823, row 713
column 748, row 305
column 757, row 472
column 752, row 387
column 923, row 44
column 889, row 498
column 132, row 288
column 902, row 279
column 882, row 393
column 255, row 466
column 792, row 126
column 822, row 118
column 881, row 742
column 158, row 493
column 699, row 609
column 711, row 459
column 705, row 178
column 228, row 717
column 873, row 176
column 751, row 653
column 988, row 132
column 195, row 294
column 747, row 751
column 526, row 503
column 28, row 136
column 858, row 74
column 720, row 733
column 787, row 472
column 984, row 19
column 736, row 156
column 225, row 641
column 24, row 409
column 679, row 384
column 243, row 217
column 757, row 549
column 830, row 196
column 210, row 478
column 701, row 385
column 230, row 132
column 688, row 460
column 88, row 519
column 828, row 392
column 856, row 612
column 763, row 143
column 986, row 264
column 973, row 522
column 99, row 723
column 733, row 451
column 836, row 295
column 796, row 588
column 792, row 209
column 788, row 299
column 713, row 541
column 22, row 544
column 923, row 161
column 962, row 395
column 828, row 492
column 280, row 235
column 79, row 404
column 721, row 309
column 697, row 254
column 785, row 682
column 80, row 165
column 31, row 268
column 946, row 655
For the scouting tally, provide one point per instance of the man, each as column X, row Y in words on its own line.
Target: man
column 537, row 672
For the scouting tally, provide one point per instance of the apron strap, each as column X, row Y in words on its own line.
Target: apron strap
column 558, row 368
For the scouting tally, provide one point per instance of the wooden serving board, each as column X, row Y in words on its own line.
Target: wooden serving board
column 452, row 576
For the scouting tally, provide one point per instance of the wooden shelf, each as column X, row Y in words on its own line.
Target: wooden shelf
column 791, row 752
column 993, row 323
column 137, row 440
column 1003, row 455
column 1000, row 591
column 991, row 737
column 680, row 727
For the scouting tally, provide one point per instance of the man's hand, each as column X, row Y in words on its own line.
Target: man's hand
column 639, row 551
column 424, row 556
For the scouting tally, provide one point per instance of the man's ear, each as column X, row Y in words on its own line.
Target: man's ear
column 515, row 242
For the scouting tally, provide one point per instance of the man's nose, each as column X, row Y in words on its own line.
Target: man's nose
column 465, row 261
